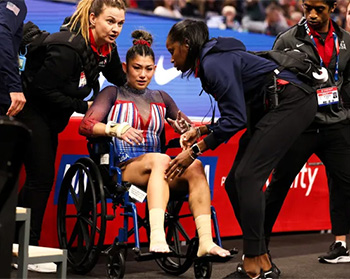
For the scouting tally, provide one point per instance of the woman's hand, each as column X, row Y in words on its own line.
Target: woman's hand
column 189, row 138
column 178, row 165
column 18, row 101
column 180, row 125
column 132, row 136
column 125, row 132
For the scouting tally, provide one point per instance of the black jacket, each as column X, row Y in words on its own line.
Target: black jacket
column 58, row 88
column 297, row 38
column 234, row 76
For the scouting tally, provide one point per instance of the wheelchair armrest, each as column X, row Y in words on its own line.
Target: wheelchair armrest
column 98, row 145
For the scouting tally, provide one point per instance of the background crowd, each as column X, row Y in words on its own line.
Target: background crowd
column 259, row 16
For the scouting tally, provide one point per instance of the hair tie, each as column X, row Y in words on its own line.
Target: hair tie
column 142, row 42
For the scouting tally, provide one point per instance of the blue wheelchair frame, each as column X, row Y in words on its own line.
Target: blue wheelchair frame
column 123, row 232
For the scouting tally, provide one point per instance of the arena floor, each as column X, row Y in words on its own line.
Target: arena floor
column 295, row 254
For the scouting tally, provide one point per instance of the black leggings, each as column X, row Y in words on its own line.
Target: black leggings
column 258, row 153
column 40, row 168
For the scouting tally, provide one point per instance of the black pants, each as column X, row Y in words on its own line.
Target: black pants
column 40, row 168
column 332, row 145
column 258, row 154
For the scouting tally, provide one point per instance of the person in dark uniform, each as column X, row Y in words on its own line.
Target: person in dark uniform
column 329, row 134
column 12, row 100
column 58, row 89
column 235, row 77
column 12, row 15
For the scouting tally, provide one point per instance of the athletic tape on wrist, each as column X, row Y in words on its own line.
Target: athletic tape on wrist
column 122, row 128
column 110, row 128
column 116, row 129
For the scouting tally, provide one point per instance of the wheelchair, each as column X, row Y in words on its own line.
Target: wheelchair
column 82, row 218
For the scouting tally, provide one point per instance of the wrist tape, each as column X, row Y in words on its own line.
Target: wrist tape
column 116, row 129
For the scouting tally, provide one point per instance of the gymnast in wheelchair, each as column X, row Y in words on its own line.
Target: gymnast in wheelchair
column 135, row 117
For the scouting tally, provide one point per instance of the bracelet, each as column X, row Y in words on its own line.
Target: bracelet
column 199, row 134
column 193, row 158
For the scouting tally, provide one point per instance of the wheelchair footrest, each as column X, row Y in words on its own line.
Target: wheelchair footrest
column 152, row 255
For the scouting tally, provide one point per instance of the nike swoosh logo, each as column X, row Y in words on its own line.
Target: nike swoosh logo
column 299, row 45
column 163, row 76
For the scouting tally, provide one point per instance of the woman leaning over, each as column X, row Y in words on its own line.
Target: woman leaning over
column 237, row 78
column 58, row 89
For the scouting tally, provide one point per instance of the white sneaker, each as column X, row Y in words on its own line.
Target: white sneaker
column 43, row 267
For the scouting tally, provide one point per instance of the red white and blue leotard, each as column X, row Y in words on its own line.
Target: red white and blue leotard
column 143, row 109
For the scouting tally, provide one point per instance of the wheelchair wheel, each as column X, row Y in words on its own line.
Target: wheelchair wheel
column 182, row 257
column 81, row 215
column 202, row 269
column 116, row 265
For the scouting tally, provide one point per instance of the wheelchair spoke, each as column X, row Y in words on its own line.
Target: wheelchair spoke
column 73, row 235
column 182, row 231
column 81, row 188
column 74, row 197
column 85, row 234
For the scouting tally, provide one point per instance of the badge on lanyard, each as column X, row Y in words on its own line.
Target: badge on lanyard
column 82, row 80
column 327, row 96
column 22, row 62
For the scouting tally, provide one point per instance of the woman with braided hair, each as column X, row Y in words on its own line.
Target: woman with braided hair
column 134, row 109
column 69, row 71
column 238, row 80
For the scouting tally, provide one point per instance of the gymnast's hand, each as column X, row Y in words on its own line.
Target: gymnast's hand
column 133, row 136
column 180, row 125
column 188, row 139
column 125, row 132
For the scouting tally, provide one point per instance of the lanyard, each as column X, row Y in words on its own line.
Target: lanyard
column 336, row 44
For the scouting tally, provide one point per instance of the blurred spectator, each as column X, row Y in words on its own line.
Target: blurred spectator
column 131, row 3
column 229, row 13
column 212, row 8
column 167, row 8
column 294, row 18
column 147, row 5
column 347, row 25
column 275, row 20
column 339, row 15
column 238, row 5
column 189, row 8
column 254, row 16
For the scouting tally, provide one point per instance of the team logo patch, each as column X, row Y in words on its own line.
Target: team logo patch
column 342, row 45
column 12, row 7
